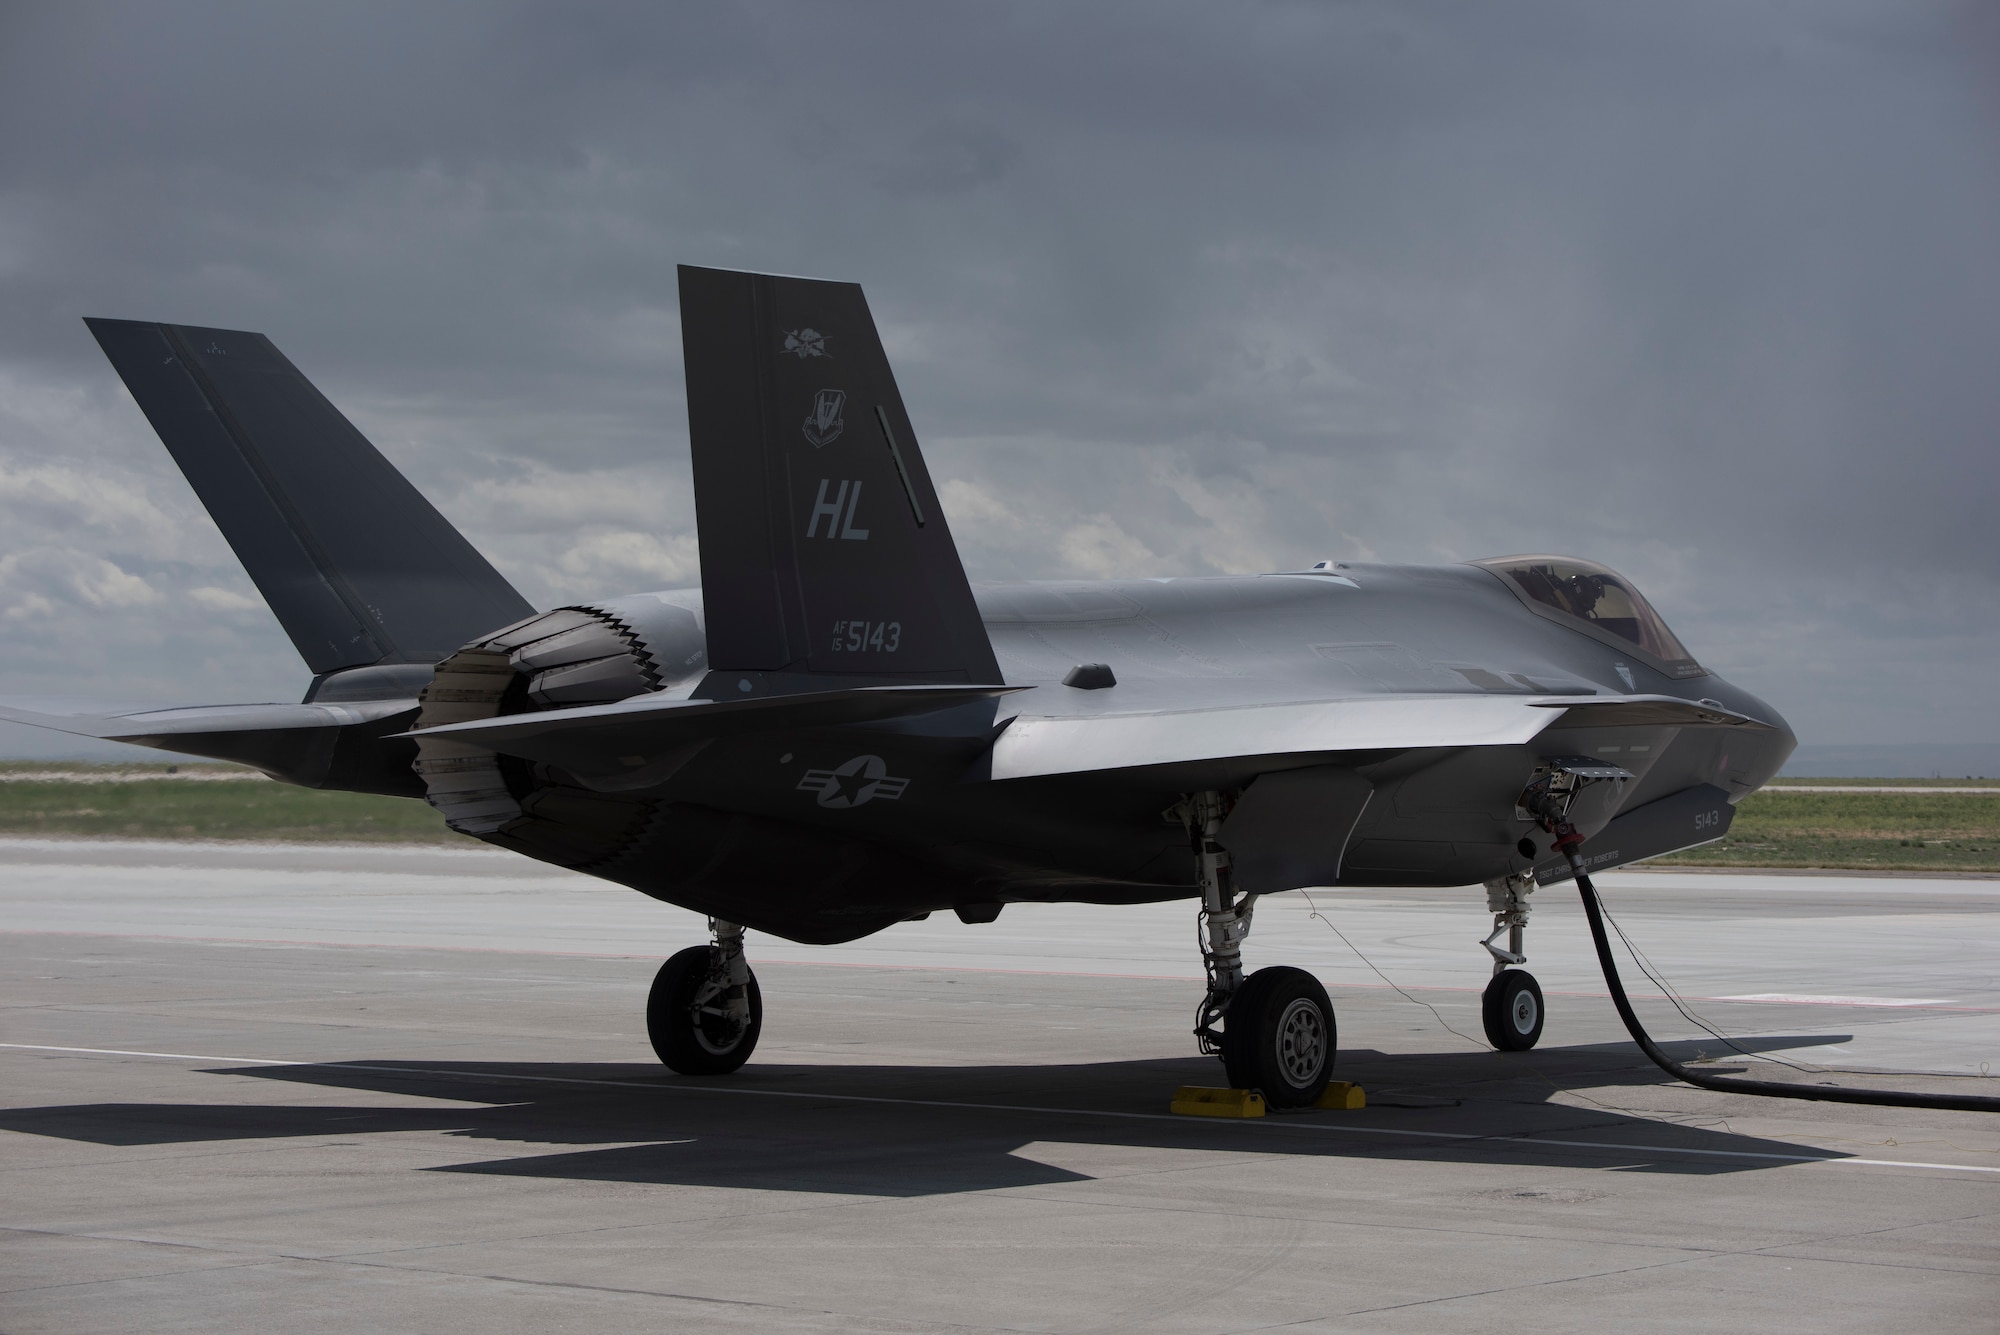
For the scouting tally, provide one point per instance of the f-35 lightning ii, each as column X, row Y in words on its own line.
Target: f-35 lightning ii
column 837, row 732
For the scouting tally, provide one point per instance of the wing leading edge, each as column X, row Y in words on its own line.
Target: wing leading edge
column 1035, row 746
column 600, row 739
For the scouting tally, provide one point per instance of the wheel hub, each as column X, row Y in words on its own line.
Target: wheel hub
column 1301, row 1043
column 718, row 1025
column 718, row 1034
column 1524, row 1012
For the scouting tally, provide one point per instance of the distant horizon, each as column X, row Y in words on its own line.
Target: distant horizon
column 1822, row 760
column 1894, row 760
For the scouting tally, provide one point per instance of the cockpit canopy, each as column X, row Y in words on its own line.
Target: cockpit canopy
column 1598, row 601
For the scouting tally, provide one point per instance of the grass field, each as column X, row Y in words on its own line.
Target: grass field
column 1948, row 782
column 146, row 802
column 1903, row 831
column 1862, row 831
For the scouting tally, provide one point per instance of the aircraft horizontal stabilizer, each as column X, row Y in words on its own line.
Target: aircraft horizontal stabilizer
column 630, row 736
column 159, row 725
column 315, row 745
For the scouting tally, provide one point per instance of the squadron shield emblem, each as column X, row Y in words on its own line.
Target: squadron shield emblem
column 823, row 425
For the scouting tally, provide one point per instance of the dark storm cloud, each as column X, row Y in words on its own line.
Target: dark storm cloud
column 1710, row 292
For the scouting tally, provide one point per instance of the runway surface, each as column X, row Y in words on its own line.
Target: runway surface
column 406, row 1089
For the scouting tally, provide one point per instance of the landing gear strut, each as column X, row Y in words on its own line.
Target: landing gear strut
column 1512, row 1007
column 1273, row 1030
column 705, row 1011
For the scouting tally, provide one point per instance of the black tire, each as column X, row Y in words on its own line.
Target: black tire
column 698, row 1043
column 1278, row 1037
column 1512, row 1010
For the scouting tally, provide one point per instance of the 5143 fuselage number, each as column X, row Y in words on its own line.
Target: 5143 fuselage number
column 862, row 637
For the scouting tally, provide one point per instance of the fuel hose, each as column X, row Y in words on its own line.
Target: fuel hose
column 1776, row 1089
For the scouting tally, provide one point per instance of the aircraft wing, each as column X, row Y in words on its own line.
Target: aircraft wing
column 1033, row 746
column 608, row 739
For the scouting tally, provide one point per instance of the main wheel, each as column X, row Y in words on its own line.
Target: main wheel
column 696, row 1034
column 1512, row 1010
column 1278, row 1037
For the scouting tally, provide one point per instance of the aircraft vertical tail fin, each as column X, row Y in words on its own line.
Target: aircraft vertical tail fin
column 824, row 552
column 358, row 567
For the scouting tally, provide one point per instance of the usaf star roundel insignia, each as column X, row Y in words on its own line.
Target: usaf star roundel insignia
column 853, row 783
column 806, row 343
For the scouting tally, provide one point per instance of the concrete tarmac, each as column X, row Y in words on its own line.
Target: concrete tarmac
column 306, row 1089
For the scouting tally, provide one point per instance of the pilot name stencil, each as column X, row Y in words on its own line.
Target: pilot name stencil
column 823, row 425
column 853, row 783
column 838, row 512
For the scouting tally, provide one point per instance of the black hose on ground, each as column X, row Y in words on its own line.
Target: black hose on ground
column 1888, row 1098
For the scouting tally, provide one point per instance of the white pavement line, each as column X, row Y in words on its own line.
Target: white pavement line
column 616, row 955
column 1758, row 999
column 1809, row 999
column 1830, row 1157
column 167, row 1056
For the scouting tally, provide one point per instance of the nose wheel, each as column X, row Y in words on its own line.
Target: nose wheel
column 1512, row 1010
column 1512, row 1007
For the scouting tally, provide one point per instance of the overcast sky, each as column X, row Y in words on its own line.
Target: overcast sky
column 1708, row 292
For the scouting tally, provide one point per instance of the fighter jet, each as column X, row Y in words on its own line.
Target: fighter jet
column 837, row 732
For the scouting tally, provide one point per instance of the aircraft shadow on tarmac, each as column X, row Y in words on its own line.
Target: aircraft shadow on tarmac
column 906, row 1131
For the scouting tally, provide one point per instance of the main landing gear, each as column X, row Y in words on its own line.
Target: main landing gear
column 1512, row 1007
column 1273, row 1030
column 706, row 1011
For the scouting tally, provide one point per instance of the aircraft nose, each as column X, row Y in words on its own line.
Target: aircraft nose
column 1762, row 752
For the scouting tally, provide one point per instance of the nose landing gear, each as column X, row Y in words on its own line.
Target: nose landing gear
column 1511, row 1008
column 706, row 1011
